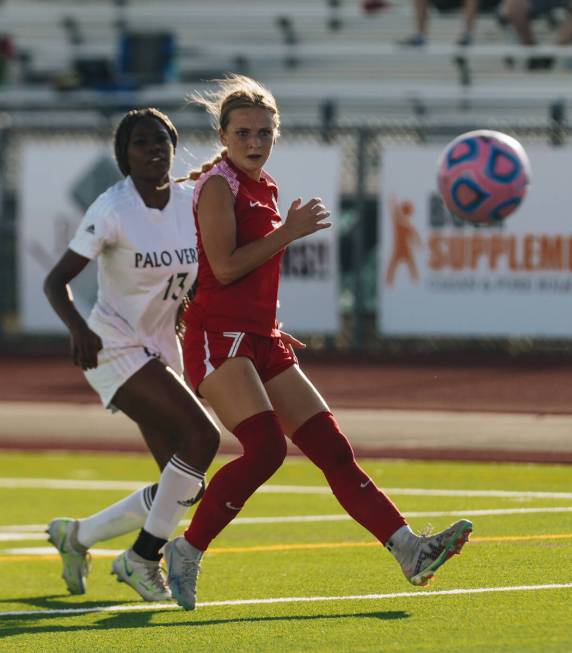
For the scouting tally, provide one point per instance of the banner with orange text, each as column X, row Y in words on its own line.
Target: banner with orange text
column 438, row 276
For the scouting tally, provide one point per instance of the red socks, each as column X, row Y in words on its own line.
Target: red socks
column 264, row 447
column 264, row 444
column 321, row 440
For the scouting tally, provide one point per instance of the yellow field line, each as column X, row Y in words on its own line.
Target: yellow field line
column 338, row 545
column 313, row 546
column 523, row 538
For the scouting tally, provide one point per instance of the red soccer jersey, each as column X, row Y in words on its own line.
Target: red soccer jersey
column 248, row 304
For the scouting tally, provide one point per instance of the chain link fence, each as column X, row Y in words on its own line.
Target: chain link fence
column 362, row 146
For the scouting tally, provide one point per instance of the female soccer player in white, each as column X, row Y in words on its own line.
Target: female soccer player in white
column 142, row 233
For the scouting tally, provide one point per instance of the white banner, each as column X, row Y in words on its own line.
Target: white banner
column 55, row 176
column 439, row 277
column 59, row 178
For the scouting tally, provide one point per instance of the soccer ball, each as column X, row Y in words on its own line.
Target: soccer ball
column 483, row 176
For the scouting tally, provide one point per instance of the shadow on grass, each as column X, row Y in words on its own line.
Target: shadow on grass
column 56, row 602
column 26, row 624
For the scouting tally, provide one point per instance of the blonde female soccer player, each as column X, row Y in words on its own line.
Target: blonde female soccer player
column 236, row 358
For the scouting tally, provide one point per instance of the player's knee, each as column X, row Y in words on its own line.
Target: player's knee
column 321, row 440
column 263, row 442
column 336, row 453
column 209, row 437
column 273, row 451
column 200, row 432
column 341, row 453
column 267, row 459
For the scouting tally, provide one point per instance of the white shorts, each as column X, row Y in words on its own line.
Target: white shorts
column 115, row 365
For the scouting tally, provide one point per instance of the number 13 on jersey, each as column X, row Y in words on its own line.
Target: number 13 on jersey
column 176, row 284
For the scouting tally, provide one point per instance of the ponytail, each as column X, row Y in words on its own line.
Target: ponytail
column 194, row 175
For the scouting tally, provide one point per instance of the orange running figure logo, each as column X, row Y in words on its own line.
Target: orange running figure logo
column 405, row 238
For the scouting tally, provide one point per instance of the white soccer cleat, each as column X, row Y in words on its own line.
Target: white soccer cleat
column 183, row 568
column 429, row 552
column 62, row 533
column 144, row 576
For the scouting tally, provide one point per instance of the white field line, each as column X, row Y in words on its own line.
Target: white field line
column 290, row 599
column 72, row 484
column 23, row 528
column 50, row 551
column 69, row 484
column 29, row 532
column 18, row 537
column 447, row 513
column 37, row 531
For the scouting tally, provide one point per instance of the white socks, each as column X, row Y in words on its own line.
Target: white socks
column 157, row 510
column 122, row 517
column 179, row 486
column 401, row 542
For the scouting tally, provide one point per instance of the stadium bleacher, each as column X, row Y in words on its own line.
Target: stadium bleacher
column 309, row 52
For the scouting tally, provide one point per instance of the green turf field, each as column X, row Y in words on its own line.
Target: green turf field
column 292, row 574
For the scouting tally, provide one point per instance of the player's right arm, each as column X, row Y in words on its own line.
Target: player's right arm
column 217, row 224
column 84, row 342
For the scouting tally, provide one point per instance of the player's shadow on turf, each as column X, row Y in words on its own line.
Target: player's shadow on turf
column 133, row 620
column 17, row 625
column 55, row 602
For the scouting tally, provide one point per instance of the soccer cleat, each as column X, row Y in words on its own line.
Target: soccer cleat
column 144, row 576
column 429, row 552
column 62, row 533
column 183, row 568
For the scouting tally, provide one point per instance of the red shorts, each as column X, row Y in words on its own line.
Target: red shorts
column 205, row 351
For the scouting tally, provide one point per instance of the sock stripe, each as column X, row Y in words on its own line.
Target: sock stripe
column 185, row 468
column 148, row 496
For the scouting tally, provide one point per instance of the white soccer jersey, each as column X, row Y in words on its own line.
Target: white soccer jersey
column 147, row 262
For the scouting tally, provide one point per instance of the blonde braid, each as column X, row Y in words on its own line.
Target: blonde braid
column 193, row 175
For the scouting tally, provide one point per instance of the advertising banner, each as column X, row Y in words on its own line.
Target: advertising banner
column 59, row 178
column 441, row 277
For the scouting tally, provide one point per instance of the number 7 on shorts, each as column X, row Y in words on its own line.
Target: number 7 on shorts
column 237, row 337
